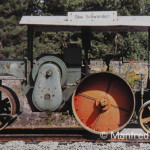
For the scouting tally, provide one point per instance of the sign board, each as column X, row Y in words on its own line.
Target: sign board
column 92, row 16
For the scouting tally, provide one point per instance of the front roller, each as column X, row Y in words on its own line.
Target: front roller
column 103, row 102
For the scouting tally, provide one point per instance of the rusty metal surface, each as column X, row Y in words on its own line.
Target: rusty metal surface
column 103, row 102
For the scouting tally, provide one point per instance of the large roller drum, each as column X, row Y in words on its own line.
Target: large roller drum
column 103, row 102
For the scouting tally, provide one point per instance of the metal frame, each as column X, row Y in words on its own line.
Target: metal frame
column 30, row 45
column 65, row 23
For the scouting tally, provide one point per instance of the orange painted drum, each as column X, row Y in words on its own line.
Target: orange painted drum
column 103, row 102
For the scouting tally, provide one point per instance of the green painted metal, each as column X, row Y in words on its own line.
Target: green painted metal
column 21, row 69
column 27, row 84
column 51, row 59
column 47, row 92
column 74, row 75
column 13, row 67
column 67, row 93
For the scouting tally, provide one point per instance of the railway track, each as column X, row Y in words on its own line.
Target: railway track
column 64, row 135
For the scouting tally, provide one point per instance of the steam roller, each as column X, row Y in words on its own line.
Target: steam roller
column 103, row 102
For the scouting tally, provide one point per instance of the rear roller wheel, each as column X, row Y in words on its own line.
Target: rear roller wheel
column 7, row 107
column 144, row 117
column 103, row 102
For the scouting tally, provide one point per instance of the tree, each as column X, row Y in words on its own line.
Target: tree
column 145, row 7
column 13, row 37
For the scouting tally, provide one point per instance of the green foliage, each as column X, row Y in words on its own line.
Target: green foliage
column 61, row 7
column 135, row 46
column 12, row 36
column 133, row 79
column 145, row 7
column 13, row 40
column 53, row 43
column 102, row 44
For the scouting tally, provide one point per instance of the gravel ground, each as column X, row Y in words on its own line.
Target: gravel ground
column 20, row 145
